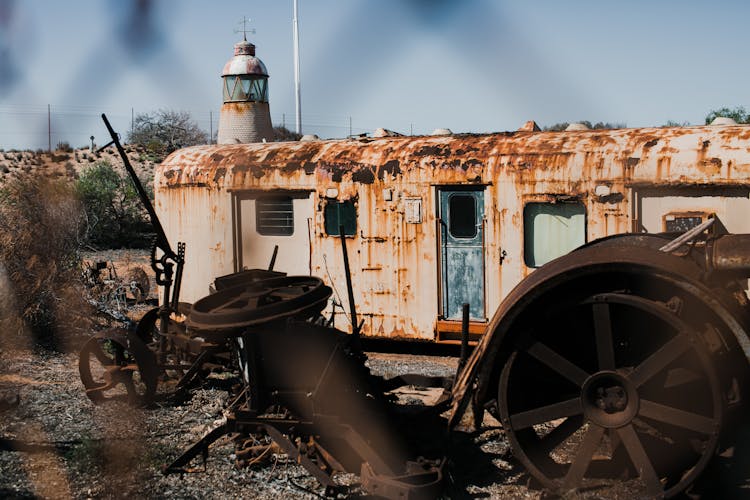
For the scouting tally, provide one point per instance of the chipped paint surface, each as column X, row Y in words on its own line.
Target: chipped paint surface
column 244, row 61
column 613, row 173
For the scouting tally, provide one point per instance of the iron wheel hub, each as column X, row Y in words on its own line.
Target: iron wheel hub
column 609, row 399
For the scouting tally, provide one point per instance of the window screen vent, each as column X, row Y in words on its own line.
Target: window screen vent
column 274, row 216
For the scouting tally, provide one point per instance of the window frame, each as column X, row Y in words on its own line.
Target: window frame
column 528, row 249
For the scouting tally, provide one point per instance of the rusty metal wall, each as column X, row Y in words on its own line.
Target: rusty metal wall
column 394, row 262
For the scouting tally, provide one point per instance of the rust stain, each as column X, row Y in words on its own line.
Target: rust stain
column 632, row 162
column 363, row 175
column 391, row 167
column 219, row 174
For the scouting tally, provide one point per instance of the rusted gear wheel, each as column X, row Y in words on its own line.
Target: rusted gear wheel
column 117, row 365
column 258, row 302
column 615, row 386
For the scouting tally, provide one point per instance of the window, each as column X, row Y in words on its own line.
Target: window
column 462, row 218
column 551, row 230
column 680, row 223
column 274, row 216
column 340, row 213
column 245, row 88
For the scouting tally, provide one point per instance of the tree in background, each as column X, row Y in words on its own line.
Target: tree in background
column 673, row 123
column 281, row 133
column 165, row 131
column 115, row 216
column 557, row 127
column 737, row 114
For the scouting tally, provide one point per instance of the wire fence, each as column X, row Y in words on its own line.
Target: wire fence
column 43, row 126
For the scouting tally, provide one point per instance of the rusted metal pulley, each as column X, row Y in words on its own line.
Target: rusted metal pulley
column 259, row 302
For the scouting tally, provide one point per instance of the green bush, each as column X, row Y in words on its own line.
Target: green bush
column 738, row 114
column 114, row 214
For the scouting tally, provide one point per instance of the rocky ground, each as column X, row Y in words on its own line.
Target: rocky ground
column 58, row 444
column 68, row 162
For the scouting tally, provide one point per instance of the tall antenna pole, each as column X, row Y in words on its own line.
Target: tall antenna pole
column 295, row 29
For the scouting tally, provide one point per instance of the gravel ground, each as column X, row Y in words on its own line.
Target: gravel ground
column 72, row 448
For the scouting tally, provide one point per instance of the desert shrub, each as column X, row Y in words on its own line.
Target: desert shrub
column 738, row 114
column 281, row 133
column 40, row 226
column 64, row 146
column 114, row 214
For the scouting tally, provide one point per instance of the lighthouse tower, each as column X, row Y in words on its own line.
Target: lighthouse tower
column 245, row 115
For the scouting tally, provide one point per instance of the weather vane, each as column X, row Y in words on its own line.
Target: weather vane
column 245, row 29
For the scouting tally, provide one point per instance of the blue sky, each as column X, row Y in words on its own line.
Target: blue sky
column 407, row 65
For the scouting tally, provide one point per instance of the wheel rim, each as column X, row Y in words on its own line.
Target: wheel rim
column 116, row 366
column 259, row 302
column 615, row 386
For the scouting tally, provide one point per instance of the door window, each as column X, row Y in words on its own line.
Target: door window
column 463, row 216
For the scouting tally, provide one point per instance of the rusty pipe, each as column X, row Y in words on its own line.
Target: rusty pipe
column 730, row 253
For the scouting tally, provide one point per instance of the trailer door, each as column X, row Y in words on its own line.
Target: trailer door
column 263, row 220
column 461, row 240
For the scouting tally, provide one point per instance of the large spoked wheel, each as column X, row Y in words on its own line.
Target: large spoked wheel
column 114, row 365
column 249, row 304
column 613, row 387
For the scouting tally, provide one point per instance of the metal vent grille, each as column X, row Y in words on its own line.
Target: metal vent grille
column 274, row 216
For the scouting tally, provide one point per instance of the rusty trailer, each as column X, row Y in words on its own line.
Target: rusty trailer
column 434, row 222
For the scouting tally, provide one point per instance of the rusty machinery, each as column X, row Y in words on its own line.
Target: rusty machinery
column 625, row 360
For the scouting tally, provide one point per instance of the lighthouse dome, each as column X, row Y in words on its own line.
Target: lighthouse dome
column 244, row 61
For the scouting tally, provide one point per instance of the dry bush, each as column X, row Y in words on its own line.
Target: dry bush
column 40, row 224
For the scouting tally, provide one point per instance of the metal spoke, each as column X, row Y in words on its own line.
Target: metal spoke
column 561, row 365
column 660, row 359
column 583, row 456
column 677, row 417
column 560, row 433
column 238, row 304
column 546, row 413
column 640, row 460
column 603, row 330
